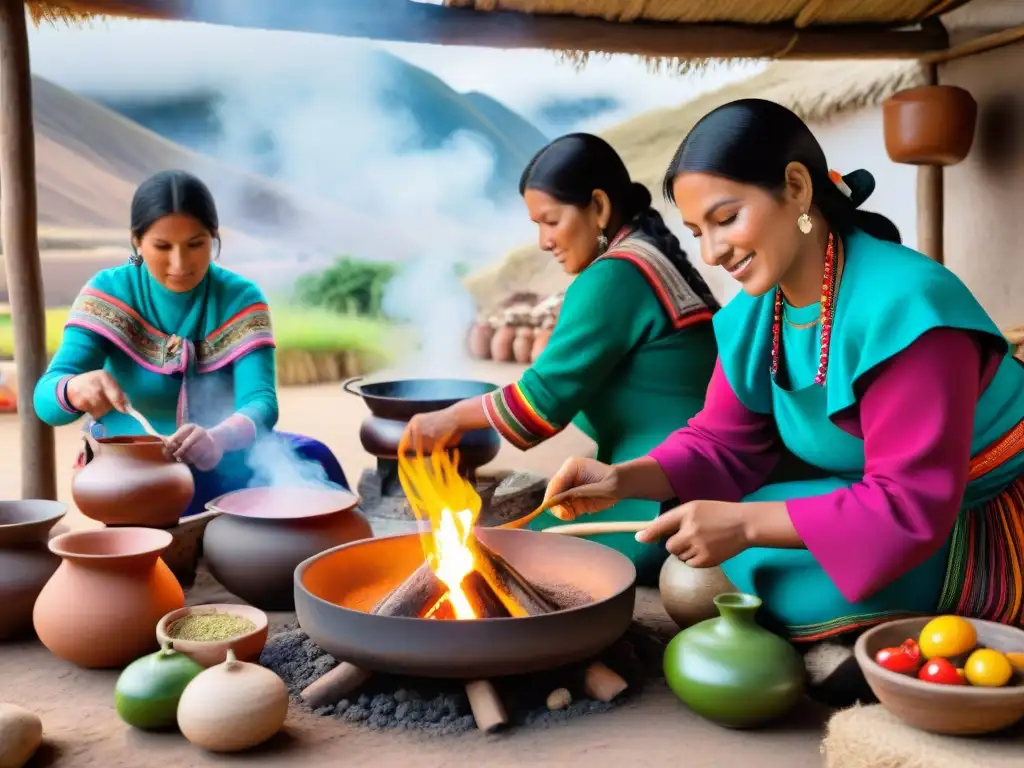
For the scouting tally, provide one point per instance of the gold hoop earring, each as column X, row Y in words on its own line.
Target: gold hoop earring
column 804, row 223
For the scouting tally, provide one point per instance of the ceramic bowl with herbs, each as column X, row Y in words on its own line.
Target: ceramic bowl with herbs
column 946, row 674
column 204, row 633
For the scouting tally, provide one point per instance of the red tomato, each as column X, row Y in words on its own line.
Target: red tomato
column 942, row 672
column 904, row 659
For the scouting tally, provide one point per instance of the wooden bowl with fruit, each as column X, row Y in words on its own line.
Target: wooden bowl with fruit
column 946, row 674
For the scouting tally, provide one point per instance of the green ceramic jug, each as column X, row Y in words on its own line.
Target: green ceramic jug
column 733, row 671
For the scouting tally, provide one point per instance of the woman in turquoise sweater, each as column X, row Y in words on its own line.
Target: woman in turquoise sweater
column 185, row 342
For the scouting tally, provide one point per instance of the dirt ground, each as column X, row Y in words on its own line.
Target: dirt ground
column 82, row 729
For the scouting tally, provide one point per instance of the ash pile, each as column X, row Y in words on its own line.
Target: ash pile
column 439, row 707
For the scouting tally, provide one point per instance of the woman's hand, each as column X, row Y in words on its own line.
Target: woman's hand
column 701, row 533
column 194, row 445
column 96, row 393
column 581, row 487
column 432, row 431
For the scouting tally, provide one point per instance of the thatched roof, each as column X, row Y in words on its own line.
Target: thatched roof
column 817, row 92
column 683, row 30
column 75, row 11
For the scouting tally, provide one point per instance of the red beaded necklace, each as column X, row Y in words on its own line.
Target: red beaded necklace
column 828, row 312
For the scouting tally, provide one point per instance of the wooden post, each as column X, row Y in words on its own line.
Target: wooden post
column 930, row 200
column 18, row 229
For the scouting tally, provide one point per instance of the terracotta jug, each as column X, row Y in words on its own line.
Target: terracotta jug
column 522, row 346
column 540, row 341
column 480, row 336
column 262, row 534
column 130, row 482
column 26, row 563
column 501, row 344
column 100, row 609
column 731, row 670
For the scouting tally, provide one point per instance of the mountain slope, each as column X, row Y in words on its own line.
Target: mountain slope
column 90, row 159
column 424, row 110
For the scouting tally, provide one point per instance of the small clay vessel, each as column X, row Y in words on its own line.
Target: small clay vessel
column 731, row 670
column 540, row 342
column 929, row 125
column 233, row 706
column 26, row 563
column 208, row 653
column 480, row 336
column 131, row 482
column 522, row 345
column 254, row 547
column 688, row 594
column 501, row 344
column 100, row 607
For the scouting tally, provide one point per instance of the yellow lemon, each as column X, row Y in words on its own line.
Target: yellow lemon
column 947, row 636
column 988, row 668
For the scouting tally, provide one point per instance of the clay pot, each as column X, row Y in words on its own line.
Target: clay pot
column 688, row 594
column 929, row 125
column 100, row 607
column 501, row 344
column 540, row 341
column 254, row 547
column 130, row 482
column 26, row 564
column 232, row 707
column 480, row 336
column 731, row 670
column 522, row 345
column 208, row 653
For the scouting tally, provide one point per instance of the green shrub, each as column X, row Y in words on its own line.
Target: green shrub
column 349, row 286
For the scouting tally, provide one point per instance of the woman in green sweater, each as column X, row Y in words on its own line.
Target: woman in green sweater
column 186, row 342
column 633, row 350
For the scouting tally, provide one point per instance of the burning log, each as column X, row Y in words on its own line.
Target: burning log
column 485, row 601
column 414, row 597
column 515, row 592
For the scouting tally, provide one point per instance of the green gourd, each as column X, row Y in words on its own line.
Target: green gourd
column 148, row 689
column 731, row 670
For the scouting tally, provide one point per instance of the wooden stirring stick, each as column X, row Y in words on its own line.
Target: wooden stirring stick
column 146, row 426
column 593, row 529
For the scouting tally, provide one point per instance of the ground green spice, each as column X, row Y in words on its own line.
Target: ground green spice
column 211, row 626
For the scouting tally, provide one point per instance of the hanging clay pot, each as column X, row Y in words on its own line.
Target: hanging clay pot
column 480, row 336
column 501, row 344
column 100, row 607
column 688, row 593
column 26, row 563
column 131, row 482
column 522, row 346
column 540, row 341
column 262, row 534
column 731, row 670
column 929, row 125
column 233, row 706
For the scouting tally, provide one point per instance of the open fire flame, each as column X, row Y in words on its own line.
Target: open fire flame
column 434, row 489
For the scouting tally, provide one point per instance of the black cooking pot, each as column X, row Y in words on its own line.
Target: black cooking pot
column 393, row 403
column 402, row 399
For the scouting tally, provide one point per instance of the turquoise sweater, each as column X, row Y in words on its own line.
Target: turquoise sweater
column 123, row 320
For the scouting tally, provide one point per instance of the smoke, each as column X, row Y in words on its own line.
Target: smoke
column 276, row 464
column 334, row 140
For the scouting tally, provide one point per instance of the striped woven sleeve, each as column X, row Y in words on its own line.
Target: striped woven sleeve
column 516, row 418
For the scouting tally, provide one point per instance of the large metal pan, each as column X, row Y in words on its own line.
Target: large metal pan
column 335, row 590
column 404, row 398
